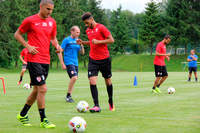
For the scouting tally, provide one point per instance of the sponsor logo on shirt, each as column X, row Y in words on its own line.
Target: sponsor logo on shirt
column 36, row 24
column 50, row 24
column 44, row 24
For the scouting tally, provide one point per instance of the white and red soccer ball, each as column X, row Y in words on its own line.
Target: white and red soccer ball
column 82, row 106
column 171, row 90
column 77, row 124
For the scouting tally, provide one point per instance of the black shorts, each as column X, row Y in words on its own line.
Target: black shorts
column 160, row 71
column 104, row 66
column 24, row 66
column 192, row 69
column 72, row 70
column 38, row 73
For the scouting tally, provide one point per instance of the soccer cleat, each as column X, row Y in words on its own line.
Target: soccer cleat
column 158, row 90
column 111, row 107
column 46, row 124
column 69, row 99
column 19, row 82
column 154, row 91
column 95, row 109
column 24, row 120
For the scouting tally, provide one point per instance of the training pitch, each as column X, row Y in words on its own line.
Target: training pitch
column 137, row 109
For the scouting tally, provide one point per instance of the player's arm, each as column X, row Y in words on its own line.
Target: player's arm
column 19, row 37
column 82, row 50
column 60, row 56
column 159, row 54
column 109, row 40
column 194, row 58
column 21, row 58
column 188, row 59
column 54, row 42
column 81, row 42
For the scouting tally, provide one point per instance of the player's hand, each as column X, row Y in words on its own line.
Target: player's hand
column 64, row 67
column 168, row 58
column 58, row 49
column 94, row 41
column 25, row 62
column 168, row 54
column 32, row 49
column 79, row 41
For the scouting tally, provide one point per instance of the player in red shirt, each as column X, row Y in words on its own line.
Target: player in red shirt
column 99, row 58
column 41, row 30
column 159, row 63
column 23, row 58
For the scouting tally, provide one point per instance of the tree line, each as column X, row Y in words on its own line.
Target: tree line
column 132, row 32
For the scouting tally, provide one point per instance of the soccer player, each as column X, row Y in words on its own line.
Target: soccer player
column 41, row 30
column 99, row 58
column 23, row 58
column 71, row 50
column 192, row 65
column 159, row 63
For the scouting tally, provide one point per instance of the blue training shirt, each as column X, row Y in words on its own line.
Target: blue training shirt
column 192, row 63
column 71, row 50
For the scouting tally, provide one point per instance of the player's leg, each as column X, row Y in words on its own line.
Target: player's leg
column 93, row 70
column 105, row 69
column 195, row 74
column 42, row 89
column 158, row 74
column 190, row 74
column 73, row 75
column 22, row 73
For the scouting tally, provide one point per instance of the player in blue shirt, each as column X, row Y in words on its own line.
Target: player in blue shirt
column 192, row 65
column 71, row 50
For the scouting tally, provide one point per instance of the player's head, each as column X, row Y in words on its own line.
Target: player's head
column 46, row 8
column 75, row 31
column 88, row 19
column 192, row 52
column 167, row 39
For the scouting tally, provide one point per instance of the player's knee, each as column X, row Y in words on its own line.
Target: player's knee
column 108, row 81
column 42, row 90
column 74, row 78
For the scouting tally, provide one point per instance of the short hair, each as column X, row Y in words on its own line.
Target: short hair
column 86, row 15
column 43, row 2
column 167, row 37
column 73, row 28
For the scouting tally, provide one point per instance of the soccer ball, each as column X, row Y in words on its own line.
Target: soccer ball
column 171, row 90
column 82, row 106
column 77, row 124
column 26, row 86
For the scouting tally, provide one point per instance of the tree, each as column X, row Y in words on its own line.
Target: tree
column 150, row 26
column 120, row 31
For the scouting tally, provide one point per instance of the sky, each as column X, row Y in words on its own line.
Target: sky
column 136, row 6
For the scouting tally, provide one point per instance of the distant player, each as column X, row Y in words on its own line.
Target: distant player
column 99, row 58
column 192, row 65
column 159, row 63
column 71, row 50
column 41, row 30
column 23, row 58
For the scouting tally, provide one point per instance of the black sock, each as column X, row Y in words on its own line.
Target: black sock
column 94, row 92
column 110, row 94
column 158, row 85
column 196, row 79
column 25, row 110
column 189, row 79
column 21, row 77
column 153, row 88
column 68, row 94
column 42, row 114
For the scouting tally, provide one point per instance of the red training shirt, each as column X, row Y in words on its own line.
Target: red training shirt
column 98, row 51
column 24, row 54
column 160, row 60
column 39, row 31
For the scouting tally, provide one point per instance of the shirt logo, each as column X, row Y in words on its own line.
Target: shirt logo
column 50, row 24
column 97, row 29
column 39, row 79
column 44, row 24
column 36, row 24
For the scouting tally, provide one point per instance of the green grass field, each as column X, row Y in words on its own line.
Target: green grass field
column 137, row 110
